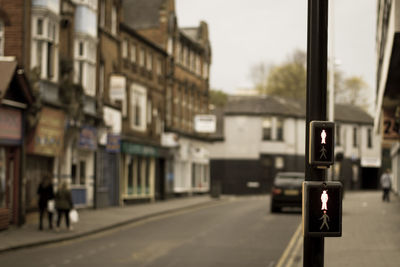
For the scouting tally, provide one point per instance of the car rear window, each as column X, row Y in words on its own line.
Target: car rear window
column 287, row 178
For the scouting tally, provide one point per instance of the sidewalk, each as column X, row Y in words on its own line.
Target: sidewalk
column 370, row 234
column 93, row 221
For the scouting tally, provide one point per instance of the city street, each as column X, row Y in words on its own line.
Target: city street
column 237, row 232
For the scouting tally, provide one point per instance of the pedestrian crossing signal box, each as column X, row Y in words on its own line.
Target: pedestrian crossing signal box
column 322, row 209
column 322, row 142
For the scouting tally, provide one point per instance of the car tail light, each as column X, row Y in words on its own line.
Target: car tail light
column 276, row 191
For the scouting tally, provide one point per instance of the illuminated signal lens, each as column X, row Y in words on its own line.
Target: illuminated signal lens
column 276, row 191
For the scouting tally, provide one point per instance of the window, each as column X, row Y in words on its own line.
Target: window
column 85, row 65
column 82, row 172
column 39, row 54
column 81, row 49
column 279, row 129
column 149, row 61
column 114, row 20
column 133, row 53
column 159, row 67
column 138, row 107
column 101, row 80
column 124, row 48
column 141, row 57
column 39, row 27
column 149, row 112
column 354, row 137
column 369, row 138
column 1, row 45
column 338, row 138
column 267, row 129
column 78, row 173
column 45, row 47
column 102, row 20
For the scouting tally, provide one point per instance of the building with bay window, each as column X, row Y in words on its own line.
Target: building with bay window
column 186, row 92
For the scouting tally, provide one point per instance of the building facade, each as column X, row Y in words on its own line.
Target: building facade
column 261, row 136
column 387, row 116
column 187, row 88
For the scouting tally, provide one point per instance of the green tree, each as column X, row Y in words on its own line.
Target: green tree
column 351, row 90
column 218, row 98
column 287, row 79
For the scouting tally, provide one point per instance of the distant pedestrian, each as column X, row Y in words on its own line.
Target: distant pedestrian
column 46, row 193
column 63, row 204
column 386, row 183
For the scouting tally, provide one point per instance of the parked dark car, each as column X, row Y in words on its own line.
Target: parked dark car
column 286, row 190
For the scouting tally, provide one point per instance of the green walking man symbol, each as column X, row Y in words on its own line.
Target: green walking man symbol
column 325, row 220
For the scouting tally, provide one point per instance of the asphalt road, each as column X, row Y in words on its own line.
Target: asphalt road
column 238, row 232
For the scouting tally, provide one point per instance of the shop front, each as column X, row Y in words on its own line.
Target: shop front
column 191, row 167
column 44, row 148
column 138, row 172
column 108, row 159
column 10, row 162
column 82, row 167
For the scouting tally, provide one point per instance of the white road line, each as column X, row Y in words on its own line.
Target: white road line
column 289, row 247
column 295, row 252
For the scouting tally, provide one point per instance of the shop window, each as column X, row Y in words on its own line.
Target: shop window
column 73, row 174
column 147, row 176
column 130, row 176
column 82, row 172
column 78, row 173
column 139, row 176
column 2, row 177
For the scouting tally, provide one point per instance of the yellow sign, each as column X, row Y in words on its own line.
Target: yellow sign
column 48, row 138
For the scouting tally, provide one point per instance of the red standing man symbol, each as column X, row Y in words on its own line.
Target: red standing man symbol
column 323, row 137
column 324, row 200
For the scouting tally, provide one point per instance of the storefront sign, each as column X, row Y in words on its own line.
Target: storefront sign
column 205, row 123
column 137, row 149
column 117, row 87
column 48, row 138
column 113, row 119
column 391, row 124
column 113, row 143
column 10, row 124
column 88, row 138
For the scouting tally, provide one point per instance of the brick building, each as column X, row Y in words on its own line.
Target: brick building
column 187, row 88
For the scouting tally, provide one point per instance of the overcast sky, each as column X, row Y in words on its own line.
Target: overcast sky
column 244, row 33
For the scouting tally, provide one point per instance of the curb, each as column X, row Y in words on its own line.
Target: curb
column 209, row 202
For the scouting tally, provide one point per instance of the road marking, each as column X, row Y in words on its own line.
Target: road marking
column 295, row 252
column 292, row 242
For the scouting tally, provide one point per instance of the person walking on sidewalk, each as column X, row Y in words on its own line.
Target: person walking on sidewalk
column 386, row 183
column 63, row 204
column 46, row 193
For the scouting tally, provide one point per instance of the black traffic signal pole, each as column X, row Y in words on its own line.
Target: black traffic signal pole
column 317, row 37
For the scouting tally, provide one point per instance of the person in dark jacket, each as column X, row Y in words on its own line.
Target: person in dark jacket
column 63, row 204
column 46, row 193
